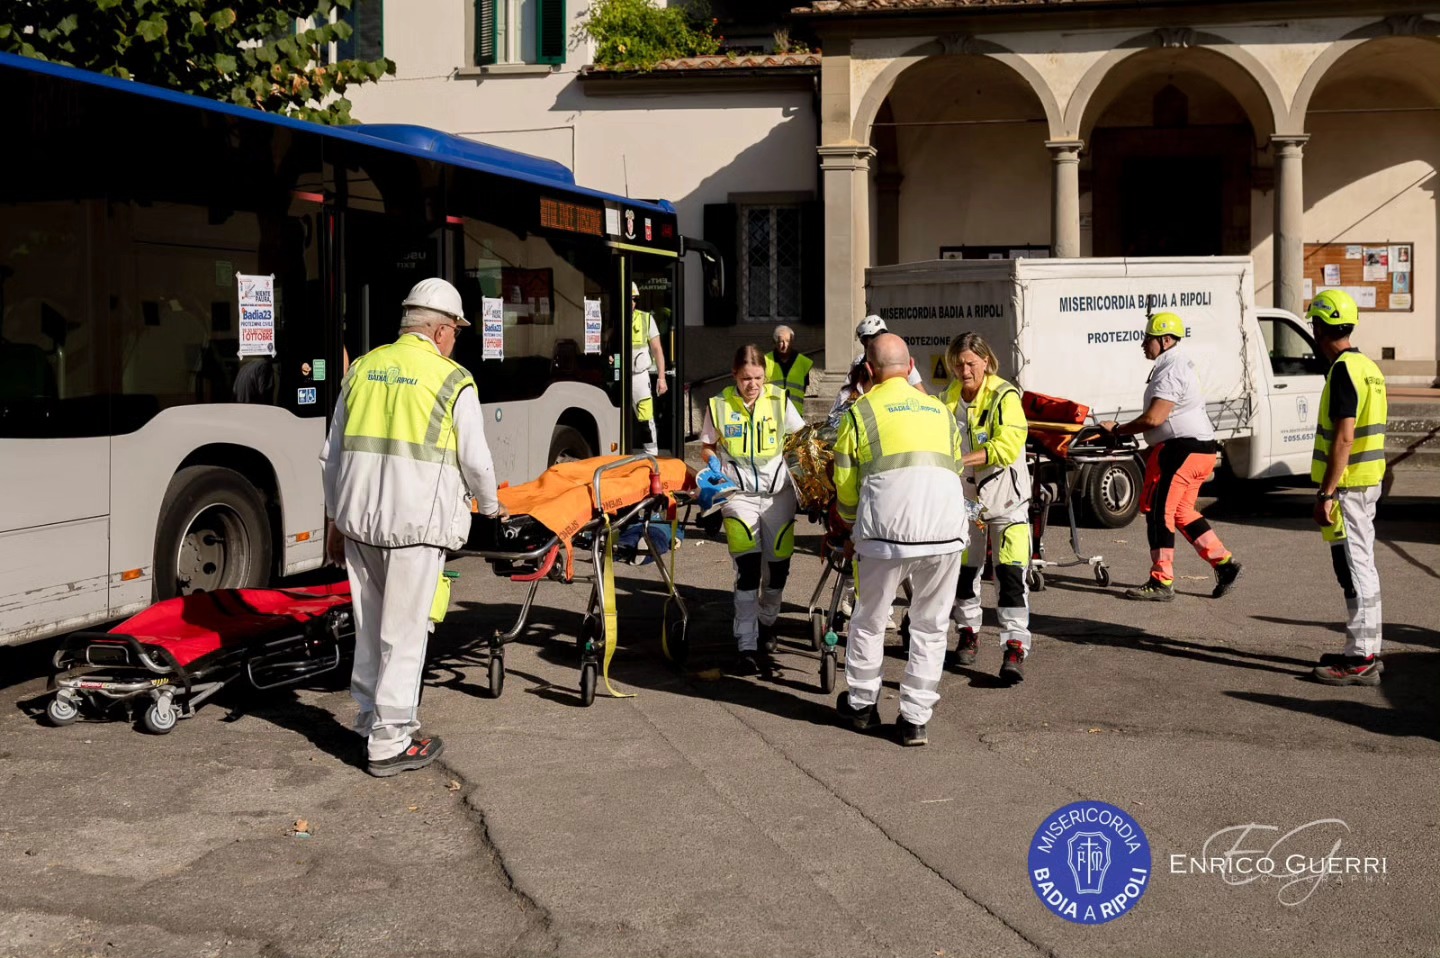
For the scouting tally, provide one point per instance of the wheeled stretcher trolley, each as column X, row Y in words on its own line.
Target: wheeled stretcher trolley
column 593, row 507
column 167, row 660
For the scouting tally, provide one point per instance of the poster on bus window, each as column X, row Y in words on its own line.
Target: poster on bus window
column 592, row 327
column 257, row 314
column 492, row 328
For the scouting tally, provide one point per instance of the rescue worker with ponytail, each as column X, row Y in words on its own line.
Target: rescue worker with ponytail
column 1182, row 458
column 1349, row 465
column 992, row 432
column 743, row 437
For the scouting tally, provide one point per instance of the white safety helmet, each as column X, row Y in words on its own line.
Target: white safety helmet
column 440, row 296
column 634, row 291
column 871, row 325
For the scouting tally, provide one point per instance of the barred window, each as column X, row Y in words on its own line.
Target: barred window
column 771, row 263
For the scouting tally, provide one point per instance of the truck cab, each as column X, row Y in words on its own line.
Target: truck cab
column 1289, row 374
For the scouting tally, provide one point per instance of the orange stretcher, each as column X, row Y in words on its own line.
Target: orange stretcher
column 590, row 505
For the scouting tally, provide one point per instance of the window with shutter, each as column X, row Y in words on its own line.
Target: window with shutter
column 550, row 31
column 487, row 34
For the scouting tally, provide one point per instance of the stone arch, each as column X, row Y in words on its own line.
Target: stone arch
column 1185, row 38
column 880, row 88
column 1399, row 26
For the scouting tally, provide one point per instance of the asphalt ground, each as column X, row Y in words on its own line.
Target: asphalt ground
column 711, row 815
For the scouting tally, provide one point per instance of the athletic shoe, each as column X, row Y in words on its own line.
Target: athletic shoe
column 767, row 636
column 1152, row 591
column 1013, row 669
column 910, row 734
column 746, row 663
column 1225, row 575
column 1335, row 658
column 966, row 648
column 861, row 720
column 1353, row 670
column 420, row 752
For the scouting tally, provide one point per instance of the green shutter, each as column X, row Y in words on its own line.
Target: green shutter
column 487, row 41
column 550, row 31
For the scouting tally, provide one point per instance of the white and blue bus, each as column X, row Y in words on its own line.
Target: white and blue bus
column 144, row 451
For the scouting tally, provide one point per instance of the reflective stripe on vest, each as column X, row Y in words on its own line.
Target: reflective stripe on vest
column 640, row 341
column 792, row 382
column 751, row 436
column 1366, row 466
column 915, row 431
column 399, row 401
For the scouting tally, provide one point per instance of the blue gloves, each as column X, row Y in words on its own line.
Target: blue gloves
column 713, row 486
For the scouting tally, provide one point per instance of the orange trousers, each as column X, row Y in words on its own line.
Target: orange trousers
column 1174, row 472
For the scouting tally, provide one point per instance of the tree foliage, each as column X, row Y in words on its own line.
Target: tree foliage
column 636, row 34
column 248, row 52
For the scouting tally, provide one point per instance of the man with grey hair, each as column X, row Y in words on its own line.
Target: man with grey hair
column 788, row 369
column 405, row 455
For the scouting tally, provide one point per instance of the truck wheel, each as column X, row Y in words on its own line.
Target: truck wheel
column 214, row 533
column 568, row 444
column 1110, row 496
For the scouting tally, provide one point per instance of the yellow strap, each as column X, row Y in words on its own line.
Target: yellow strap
column 665, row 612
column 612, row 619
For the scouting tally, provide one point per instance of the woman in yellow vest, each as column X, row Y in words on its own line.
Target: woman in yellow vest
column 744, row 437
column 992, row 431
column 1348, row 465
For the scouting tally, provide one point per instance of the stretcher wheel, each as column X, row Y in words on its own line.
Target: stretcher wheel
column 159, row 718
column 1036, row 580
column 828, row 665
column 497, row 676
column 61, row 712
column 588, row 676
column 1102, row 576
column 589, row 635
column 817, row 630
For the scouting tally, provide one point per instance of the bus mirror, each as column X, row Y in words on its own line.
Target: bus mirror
column 713, row 268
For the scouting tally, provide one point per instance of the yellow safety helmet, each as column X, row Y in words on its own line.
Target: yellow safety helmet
column 1165, row 324
column 1333, row 307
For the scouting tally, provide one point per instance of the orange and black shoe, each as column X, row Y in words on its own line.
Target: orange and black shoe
column 421, row 751
column 1154, row 590
column 1351, row 670
column 966, row 649
column 1012, row 670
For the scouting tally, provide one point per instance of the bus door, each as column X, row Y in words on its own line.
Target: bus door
column 650, row 284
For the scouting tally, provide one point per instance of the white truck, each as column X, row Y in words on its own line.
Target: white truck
column 1073, row 328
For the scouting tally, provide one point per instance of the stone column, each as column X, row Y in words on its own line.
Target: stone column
column 1065, row 196
column 845, row 173
column 1289, row 237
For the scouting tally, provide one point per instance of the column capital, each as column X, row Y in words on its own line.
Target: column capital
column 1065, row 151
column 845, row 156
column 1289, row 144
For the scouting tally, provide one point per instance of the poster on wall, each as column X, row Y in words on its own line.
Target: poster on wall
column 1400, row 301
column 1353, row 252
column 492, row 328
column 592, row 327
column 1400, row 259
column 1307, row 288
column 1377, row 259
column 257, row 314
column 1364, row 296
column 1332, row 274
column 1399, row 283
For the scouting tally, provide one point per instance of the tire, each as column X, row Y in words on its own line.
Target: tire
column 817, row 630
column 588, row 676
column 159, row 721
column 568, row 444
column 1110, row 493
column 827, row 673
column 61, row 712
column 1036, row 580
column 214, row 533
column 497, row 676
column 1102, row 576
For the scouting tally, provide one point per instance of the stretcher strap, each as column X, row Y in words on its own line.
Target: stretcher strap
column 611, row 618
column 670, row 584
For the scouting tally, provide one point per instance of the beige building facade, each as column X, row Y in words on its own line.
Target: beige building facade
column 1302, row 134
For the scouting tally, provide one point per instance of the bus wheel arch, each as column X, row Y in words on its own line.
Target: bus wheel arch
column 219, row 523
column 576, row 436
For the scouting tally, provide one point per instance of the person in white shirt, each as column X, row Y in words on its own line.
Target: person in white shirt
column 1181, row 459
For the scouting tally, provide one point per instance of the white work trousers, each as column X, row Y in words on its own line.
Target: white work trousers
column 393, row 590
column 768, row 529
column 1354, row 560
column 876, row 581
column 643, row 403
column 1011, row 566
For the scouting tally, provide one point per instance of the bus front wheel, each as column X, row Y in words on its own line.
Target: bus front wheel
column 214, row 533
column 568, row 444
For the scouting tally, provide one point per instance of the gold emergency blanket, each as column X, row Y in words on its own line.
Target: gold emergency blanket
column 810, row 459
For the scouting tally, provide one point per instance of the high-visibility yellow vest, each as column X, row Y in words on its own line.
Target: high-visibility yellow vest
column 793, row 381
column 1367, row 456
column 1003, row 439
column 400, row 481
column 752, row 440
column 640, row 361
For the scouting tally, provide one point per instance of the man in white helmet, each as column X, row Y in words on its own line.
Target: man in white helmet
column 405, row 455
column 866, row 331
column 647, row 357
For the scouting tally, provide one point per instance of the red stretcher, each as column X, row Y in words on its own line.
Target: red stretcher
column 178, row 653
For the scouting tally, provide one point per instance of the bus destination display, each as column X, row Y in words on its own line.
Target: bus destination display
column 571, row 217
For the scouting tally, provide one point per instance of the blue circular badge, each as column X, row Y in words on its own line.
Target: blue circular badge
column 1089, row 863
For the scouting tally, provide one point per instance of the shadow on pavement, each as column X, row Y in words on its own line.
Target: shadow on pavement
column 1090, row 632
